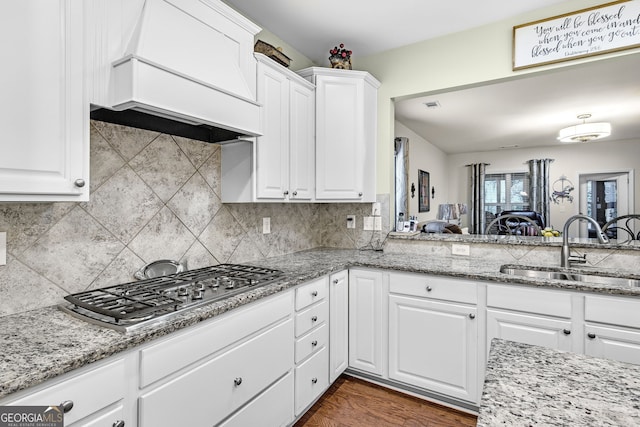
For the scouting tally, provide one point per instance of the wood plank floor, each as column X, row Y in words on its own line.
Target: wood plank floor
column 351, row 402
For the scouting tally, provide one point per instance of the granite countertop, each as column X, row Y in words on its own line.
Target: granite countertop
column 41, row 344
column 529, row 385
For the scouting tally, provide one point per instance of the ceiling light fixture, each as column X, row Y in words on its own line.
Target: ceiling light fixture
column 585, row 131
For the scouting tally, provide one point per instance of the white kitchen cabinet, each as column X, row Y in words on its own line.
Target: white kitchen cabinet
column 433, row 342
column 44, row 115
column 219, row 367
column 367, row 321
column 311, row 343
column 97, row 395
column 346, row 126
column 283, row 157
column 338, row 324
column 531, row 316
column 612, row 328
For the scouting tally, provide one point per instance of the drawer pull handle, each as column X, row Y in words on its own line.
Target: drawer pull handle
column 472, row 316
column 566, row 331
column 237, row 381
column 118, row 423
column 314, row 319
column 429, row 288
column 314, row 293
column 314, row 380
column 314, row 343
column 591, row 335
column 66, row 406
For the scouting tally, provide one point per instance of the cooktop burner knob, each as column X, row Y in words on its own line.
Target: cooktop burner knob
column 182, row 292
column 231, row 284
column 252, row 282
column 198, row 294
column 200, row 286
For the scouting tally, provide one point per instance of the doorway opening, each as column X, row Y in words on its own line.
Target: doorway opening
column 603, row 197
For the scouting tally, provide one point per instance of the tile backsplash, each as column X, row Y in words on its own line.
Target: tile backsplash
column 153, row 196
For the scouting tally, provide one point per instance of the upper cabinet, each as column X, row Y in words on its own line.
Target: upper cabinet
column 43, row 116
column 346, row 125
column 280, row 164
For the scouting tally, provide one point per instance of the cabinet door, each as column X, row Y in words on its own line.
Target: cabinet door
column 338, row 324
column 340, row 145
column 434, row 345
column 301, row 142
column 612, row 343
column 271, row 149
column 43, row 115
column 366, row 323
column 529, row 329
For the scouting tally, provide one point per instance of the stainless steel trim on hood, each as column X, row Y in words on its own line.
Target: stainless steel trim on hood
column 189, row 61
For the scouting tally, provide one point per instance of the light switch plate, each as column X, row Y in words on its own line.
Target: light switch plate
column 375, row 209
column 377, row 223
column 3, row 247
column 266, row 225
column 368, row 223
column 351, row 221
column 460, row 250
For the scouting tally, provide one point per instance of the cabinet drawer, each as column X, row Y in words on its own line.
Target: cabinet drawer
column 312, row 317
column 529, row 300
column 612, row 310
column 433, row 287
column 274, row 407
column 89, row 392
column 312, row 379
column 209, row 337
column 311, row 293
column 212, row 391
column 312, row 342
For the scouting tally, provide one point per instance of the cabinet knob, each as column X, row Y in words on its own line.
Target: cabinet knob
column 314, row 293
column 118, row 423
column 335, row 281
column 314, row 319
column 237, row 381
column 360, row 194
column 591, row 335
column 429, row 288
column 314, row 380
column 472, row 316
column 295, row 193
column 66, row 406
column 314, row 343
column 566, row 331
column 286, row 192
column 79, row 183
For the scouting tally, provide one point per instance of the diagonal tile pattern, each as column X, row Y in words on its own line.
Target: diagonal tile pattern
column 153, row 196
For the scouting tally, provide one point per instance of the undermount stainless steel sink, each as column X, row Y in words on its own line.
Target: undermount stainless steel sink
column 554, row 274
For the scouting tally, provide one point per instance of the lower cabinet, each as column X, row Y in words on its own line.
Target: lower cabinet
column 311, row 343
column 612, row 328
column 433, row 343
column 338, row 324
column 530, row 316
column 94, row 397
column 367, row 324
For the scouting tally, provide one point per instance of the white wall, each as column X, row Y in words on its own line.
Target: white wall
column 569, row 160
column 427, row 157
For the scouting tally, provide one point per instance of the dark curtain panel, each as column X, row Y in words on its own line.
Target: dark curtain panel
column 539, row 190
column 476, row 207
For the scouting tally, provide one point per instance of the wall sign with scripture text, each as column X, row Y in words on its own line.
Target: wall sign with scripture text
column 602, row 29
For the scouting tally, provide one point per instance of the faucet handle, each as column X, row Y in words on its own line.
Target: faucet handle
column 578, row 259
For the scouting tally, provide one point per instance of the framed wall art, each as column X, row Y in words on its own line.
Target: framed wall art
column 424, row 204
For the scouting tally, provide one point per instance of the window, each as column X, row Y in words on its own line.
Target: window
column 506, row 192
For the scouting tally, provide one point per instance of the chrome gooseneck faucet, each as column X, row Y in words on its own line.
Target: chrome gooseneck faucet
column 565, row 255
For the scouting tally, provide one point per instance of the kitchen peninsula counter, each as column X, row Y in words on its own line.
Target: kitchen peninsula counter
column 41, row 344
column 528, row 385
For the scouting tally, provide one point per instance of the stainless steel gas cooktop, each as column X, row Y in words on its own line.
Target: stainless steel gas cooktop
column 133, row 305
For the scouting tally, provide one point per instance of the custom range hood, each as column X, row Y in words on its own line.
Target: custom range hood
column 187, row 70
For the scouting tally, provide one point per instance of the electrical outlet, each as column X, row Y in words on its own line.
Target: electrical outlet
column 266, row 225
column 368, row 223
column 377, row 223
column 3, row 247
column 351, row 221
column 375, row 209
column 460, row 250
